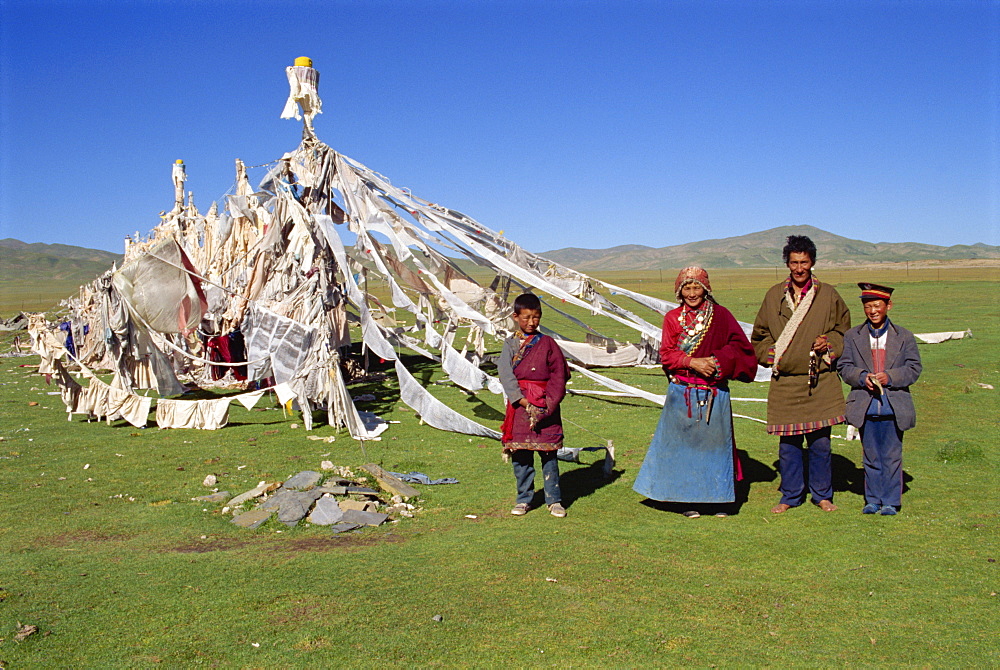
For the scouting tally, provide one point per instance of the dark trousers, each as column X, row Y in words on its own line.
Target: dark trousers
column 524, row 473
column 796, row 466
column 882, row 443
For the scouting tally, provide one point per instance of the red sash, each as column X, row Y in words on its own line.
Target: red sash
column 534, row 392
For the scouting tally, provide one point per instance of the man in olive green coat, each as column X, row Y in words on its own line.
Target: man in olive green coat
column 799, row 333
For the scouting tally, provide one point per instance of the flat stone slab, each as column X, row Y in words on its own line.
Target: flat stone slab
column 326, row 512
column 362, row 490
column 390, row 482
column 294, row 507
column 252, row 519
column 359, row 505
column 333, row 489
column 221, row 496
column 255, row 492
column 274, row 502
column 344, row 527
column 304, row 481
column 364, row 518
column 285, row 497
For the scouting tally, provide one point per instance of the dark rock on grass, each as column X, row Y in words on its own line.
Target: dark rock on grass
column 326, row 512
column 303, row 481
column 274, row 502
column 364, row 518
column 344, row 527
column 285, row 497
column 292, row 506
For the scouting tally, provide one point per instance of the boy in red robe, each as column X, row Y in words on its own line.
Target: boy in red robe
column 533, row 373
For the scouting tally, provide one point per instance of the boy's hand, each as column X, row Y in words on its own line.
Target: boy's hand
column 534, row 414
column 878, row 380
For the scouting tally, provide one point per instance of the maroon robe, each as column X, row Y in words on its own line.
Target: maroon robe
column 542, row 375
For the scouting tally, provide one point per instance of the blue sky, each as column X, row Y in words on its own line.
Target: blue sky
column 564, row 123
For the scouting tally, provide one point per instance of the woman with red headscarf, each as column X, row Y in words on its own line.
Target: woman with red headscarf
column 692, row 458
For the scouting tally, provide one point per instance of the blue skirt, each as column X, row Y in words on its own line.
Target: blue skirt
column 690, row 458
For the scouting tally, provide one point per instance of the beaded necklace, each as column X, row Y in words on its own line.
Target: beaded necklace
column 694, row 325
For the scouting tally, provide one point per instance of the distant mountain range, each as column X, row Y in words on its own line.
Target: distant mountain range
column 20, row 261
column 761, row 249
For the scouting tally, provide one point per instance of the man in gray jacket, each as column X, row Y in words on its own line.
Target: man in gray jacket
column 879, row 363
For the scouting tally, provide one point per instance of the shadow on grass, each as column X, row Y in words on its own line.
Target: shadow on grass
column 579, row 482
column 847, row 476
column 261, row 423
column 484, row 411
column 754, row 471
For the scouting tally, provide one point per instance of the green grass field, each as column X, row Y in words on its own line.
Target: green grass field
column 161, row 580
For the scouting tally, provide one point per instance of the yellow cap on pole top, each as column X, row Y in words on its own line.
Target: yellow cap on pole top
column 304, row 61
column 179, row 161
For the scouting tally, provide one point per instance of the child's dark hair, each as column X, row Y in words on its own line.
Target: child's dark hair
column 527, row 301
column 798, row 244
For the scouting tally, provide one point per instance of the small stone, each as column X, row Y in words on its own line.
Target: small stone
column 87, row 466
column 252, row 519
column 24, row 631
column 293, row 426
column 326, row 465
column 438, row 618
column 210, row 481
column 32, row 404
column 326, row 512
column 304, row 481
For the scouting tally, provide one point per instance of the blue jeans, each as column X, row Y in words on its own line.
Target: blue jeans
column 524, row 473
column 794, row 467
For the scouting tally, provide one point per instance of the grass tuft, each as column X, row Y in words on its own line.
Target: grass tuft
column 960, row 451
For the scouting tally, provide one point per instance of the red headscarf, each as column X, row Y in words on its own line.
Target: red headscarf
column 693, row 275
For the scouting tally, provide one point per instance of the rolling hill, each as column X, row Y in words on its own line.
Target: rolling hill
column 22, row 262
column 761, row 249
